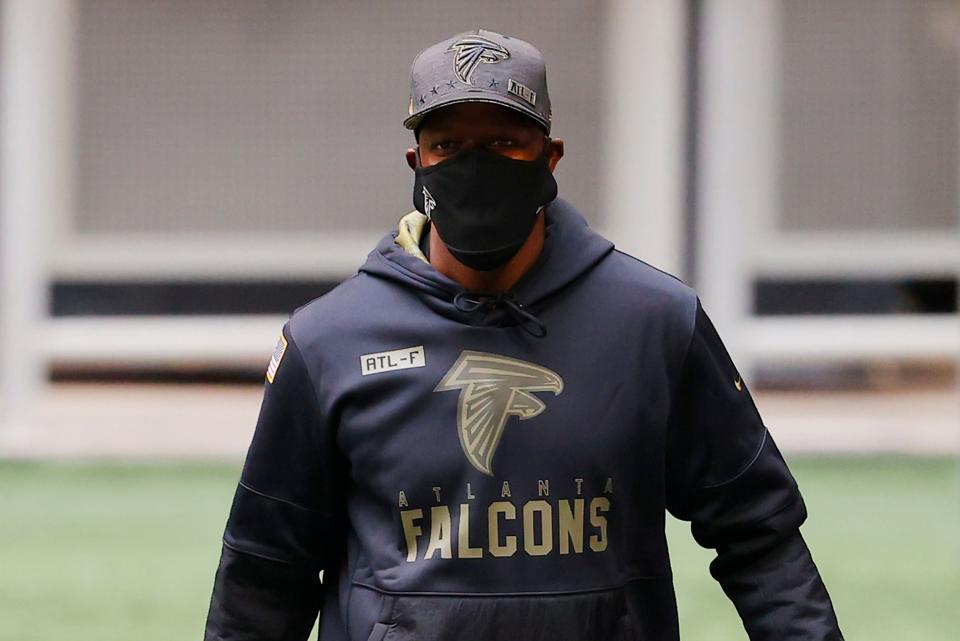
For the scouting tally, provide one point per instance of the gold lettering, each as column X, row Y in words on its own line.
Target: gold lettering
column 543, row 487
column 439, row 533
column 505, row 490
column 509, row 511
column 403, row 499
column 571, row 526
column 530, row 508
column 411, row 531
column 464, row 551
column 598, row 542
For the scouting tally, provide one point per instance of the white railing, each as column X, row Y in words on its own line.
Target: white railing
column 36, row 179
column 739, row 201
column 643, row 177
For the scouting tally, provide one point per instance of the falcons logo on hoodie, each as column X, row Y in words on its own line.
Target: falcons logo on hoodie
column 493, row 388
column 473, row 50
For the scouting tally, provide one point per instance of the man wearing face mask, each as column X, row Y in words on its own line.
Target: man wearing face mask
column 476, row 438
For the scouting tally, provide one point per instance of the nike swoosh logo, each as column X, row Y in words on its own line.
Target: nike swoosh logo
column 738, row 384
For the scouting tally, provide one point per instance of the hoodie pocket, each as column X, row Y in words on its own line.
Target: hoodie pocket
column 585, row 616
column 379, row 632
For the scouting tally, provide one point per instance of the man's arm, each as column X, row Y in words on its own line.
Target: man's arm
column 281, row 530
column 726, row 476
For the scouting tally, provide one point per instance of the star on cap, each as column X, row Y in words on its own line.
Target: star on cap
column 493, row 82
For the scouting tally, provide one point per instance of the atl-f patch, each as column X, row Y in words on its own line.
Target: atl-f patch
column 380, row 362
column 522, row 91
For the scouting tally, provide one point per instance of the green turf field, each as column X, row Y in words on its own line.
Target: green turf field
column 114, row 553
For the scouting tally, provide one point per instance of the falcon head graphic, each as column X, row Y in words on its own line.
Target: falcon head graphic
column 428, row 203
column 471, row 51
column 492, row 388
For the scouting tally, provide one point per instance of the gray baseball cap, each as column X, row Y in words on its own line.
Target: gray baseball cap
column 479, row 66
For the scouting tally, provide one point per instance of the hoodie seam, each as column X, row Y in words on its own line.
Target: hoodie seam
column 314, row 397
column 683, row 364
column 640, row 260
column 679, row 382
column 753, row 459
column 278, row 499
column 265, row 557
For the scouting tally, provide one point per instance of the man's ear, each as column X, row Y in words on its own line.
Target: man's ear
column 554, row 152
column 412, row 158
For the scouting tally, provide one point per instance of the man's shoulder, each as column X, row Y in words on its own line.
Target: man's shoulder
column 341, row 308
column 650, row 296
column 635, row 278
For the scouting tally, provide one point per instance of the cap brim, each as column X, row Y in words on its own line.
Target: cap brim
column 413, row 121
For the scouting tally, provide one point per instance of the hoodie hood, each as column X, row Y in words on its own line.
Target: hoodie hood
column 570, row 250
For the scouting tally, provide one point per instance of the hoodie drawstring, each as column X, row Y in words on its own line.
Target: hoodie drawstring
column 525, row 317
column 466, row 302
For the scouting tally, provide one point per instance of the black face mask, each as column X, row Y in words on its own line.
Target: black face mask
column 484, row 204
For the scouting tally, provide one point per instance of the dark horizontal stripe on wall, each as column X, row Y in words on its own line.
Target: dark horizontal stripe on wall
column 183, row 298
column 158, row 374
column 771, row 296
column 855, row 296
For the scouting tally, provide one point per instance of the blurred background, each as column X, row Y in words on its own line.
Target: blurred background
column 177, row 176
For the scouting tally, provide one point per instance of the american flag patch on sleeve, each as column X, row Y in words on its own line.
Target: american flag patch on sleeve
column 276, row 358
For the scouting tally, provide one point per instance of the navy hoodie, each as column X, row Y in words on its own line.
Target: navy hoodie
column 499, row 468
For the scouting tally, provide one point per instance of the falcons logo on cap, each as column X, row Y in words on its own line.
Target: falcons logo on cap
column 493, row 388
column 471, row 51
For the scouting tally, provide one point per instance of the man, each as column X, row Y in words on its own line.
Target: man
column 477, row 436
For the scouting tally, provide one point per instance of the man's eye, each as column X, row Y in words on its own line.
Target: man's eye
column 444, row 146
column 501, row 142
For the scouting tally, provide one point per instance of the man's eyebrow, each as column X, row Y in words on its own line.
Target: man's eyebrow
column 514, row 129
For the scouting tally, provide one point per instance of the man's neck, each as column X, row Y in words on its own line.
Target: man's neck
column 494, row 281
